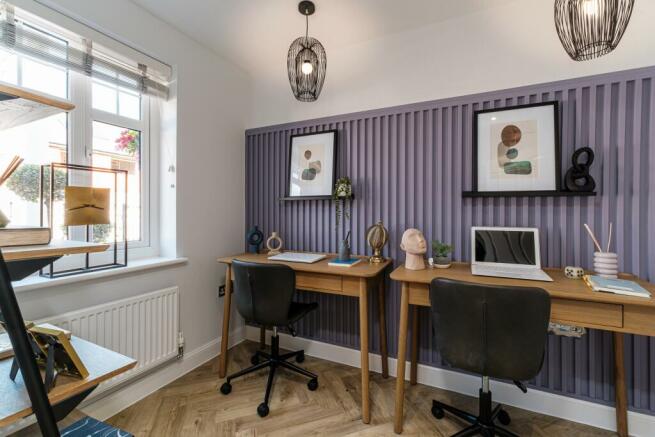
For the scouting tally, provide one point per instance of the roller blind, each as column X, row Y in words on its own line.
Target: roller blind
column 77, row 54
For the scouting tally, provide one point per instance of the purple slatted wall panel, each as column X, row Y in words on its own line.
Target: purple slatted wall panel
column 409, row 165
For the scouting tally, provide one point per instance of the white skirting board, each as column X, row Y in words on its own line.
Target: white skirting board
column 542, row 402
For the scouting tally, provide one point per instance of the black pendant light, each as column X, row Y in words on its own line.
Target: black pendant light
column 591, row 28
column 306, row 61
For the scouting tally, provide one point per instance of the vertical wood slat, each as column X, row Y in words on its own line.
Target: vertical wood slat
column 409, row 165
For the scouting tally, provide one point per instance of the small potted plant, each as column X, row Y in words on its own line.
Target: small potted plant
column 343, row 192
column 441, row 253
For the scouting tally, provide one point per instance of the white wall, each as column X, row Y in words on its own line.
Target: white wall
column 213, row 101
column 501, row 47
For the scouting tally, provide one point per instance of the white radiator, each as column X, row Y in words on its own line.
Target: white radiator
column 143, row 327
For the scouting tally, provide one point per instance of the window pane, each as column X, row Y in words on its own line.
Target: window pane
column 8, row 67
column 104, row 97
column 42, row 77
column 39, row 142
column 129, row 104
column 119, row 148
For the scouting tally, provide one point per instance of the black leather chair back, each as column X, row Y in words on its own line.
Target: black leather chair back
column 490, row 330
column 263, row 292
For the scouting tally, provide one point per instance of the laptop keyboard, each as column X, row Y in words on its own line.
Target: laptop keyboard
column 505, row 272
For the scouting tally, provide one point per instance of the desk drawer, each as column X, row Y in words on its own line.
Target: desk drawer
column 590, row 314
column 318, row 282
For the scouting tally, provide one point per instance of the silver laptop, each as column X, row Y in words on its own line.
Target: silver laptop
column 507, row 253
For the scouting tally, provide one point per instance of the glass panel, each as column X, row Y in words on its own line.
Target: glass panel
column 119, row 148
column 104, row 97
column 129, row 104
column 45, row 78
column 8, row 67
column 39, row 142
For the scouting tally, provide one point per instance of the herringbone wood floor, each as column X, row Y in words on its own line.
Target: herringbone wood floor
column 192, row 406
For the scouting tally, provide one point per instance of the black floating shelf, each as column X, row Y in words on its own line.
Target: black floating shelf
column 527, row 194
column 282, row 199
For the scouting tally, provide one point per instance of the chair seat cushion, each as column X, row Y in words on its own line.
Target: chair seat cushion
column 298, row 310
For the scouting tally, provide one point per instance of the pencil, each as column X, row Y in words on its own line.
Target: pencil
column 609, row 238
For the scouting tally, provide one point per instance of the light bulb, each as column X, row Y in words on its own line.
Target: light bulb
column 590, row 7
column 307, row 67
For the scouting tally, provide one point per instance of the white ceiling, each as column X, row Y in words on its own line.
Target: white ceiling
column 255, row 33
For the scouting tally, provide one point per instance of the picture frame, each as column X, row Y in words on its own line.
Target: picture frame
column 312, row 165
column 516, row 150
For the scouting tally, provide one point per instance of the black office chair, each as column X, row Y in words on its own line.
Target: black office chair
column 494, row 331
column 263, row 295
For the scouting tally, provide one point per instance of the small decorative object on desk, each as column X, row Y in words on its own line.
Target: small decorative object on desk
column 272, row 249
column 255, row 238
column 577, row 178
column 431, row 262
column 344, row 249
column 377, row 236
column 343, row 192
column 606, row 263
column 11, row 167
column 572, row 272
column 441, row 252
column 415, row 246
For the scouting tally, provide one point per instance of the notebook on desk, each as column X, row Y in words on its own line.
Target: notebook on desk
column 616, row 286
column 298, row 257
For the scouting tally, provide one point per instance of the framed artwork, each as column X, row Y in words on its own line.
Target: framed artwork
column 312, row 165
column 517, row 149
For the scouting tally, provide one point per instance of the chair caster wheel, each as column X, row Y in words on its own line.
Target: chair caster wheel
column 300, row 357
column 226, row 388
column 437, row 412
column 503, row 418
column 254, row 360
column 262, row 410
column 312, row 384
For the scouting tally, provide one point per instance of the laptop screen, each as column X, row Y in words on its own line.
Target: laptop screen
column 503, row 246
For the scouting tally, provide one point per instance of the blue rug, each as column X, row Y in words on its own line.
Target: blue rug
column 90, row 427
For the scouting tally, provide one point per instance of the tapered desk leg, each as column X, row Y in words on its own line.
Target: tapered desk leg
column 402, row 350
column 619, row 387
column 382, row 320
column 262, row 338
column 363, row 338
column 225, row 335
column 413, row 369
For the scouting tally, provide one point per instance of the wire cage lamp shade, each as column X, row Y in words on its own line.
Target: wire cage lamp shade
column 306, row 62
column 591, row 28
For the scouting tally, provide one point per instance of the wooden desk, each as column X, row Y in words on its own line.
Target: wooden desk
column 353, row 281
column 101, row 363
column 572, row 302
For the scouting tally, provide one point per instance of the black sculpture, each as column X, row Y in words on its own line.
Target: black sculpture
column 254, row 238
column 577, row 178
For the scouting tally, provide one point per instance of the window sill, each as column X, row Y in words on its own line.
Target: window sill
column 37, row 282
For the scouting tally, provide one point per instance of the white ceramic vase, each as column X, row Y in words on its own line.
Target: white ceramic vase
column 606, row 264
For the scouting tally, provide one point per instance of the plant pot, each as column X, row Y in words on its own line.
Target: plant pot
column 344, row 251
column 442, row 262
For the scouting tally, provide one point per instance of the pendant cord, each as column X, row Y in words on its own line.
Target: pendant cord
column 306, row 26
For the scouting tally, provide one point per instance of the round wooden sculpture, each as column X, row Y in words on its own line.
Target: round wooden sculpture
column 377, row 236
column 274, row 250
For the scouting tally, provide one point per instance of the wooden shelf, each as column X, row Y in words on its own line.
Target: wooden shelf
column 527, row 194
column 19, row 106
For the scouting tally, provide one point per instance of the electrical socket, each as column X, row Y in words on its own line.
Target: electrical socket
column 221, row 290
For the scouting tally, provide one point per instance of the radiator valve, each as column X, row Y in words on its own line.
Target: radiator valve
column 180, row 345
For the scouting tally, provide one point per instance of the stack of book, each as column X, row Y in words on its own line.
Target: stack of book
column 616, row 286
column 336, row 262
column 24, row 236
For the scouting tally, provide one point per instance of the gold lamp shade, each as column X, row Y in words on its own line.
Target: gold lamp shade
column 86, row 206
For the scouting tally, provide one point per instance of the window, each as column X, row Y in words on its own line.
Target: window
column 109, row 128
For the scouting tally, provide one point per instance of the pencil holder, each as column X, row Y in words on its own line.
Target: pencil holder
column 606, row 264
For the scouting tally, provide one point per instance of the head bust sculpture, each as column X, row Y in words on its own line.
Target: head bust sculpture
column 415, row 246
